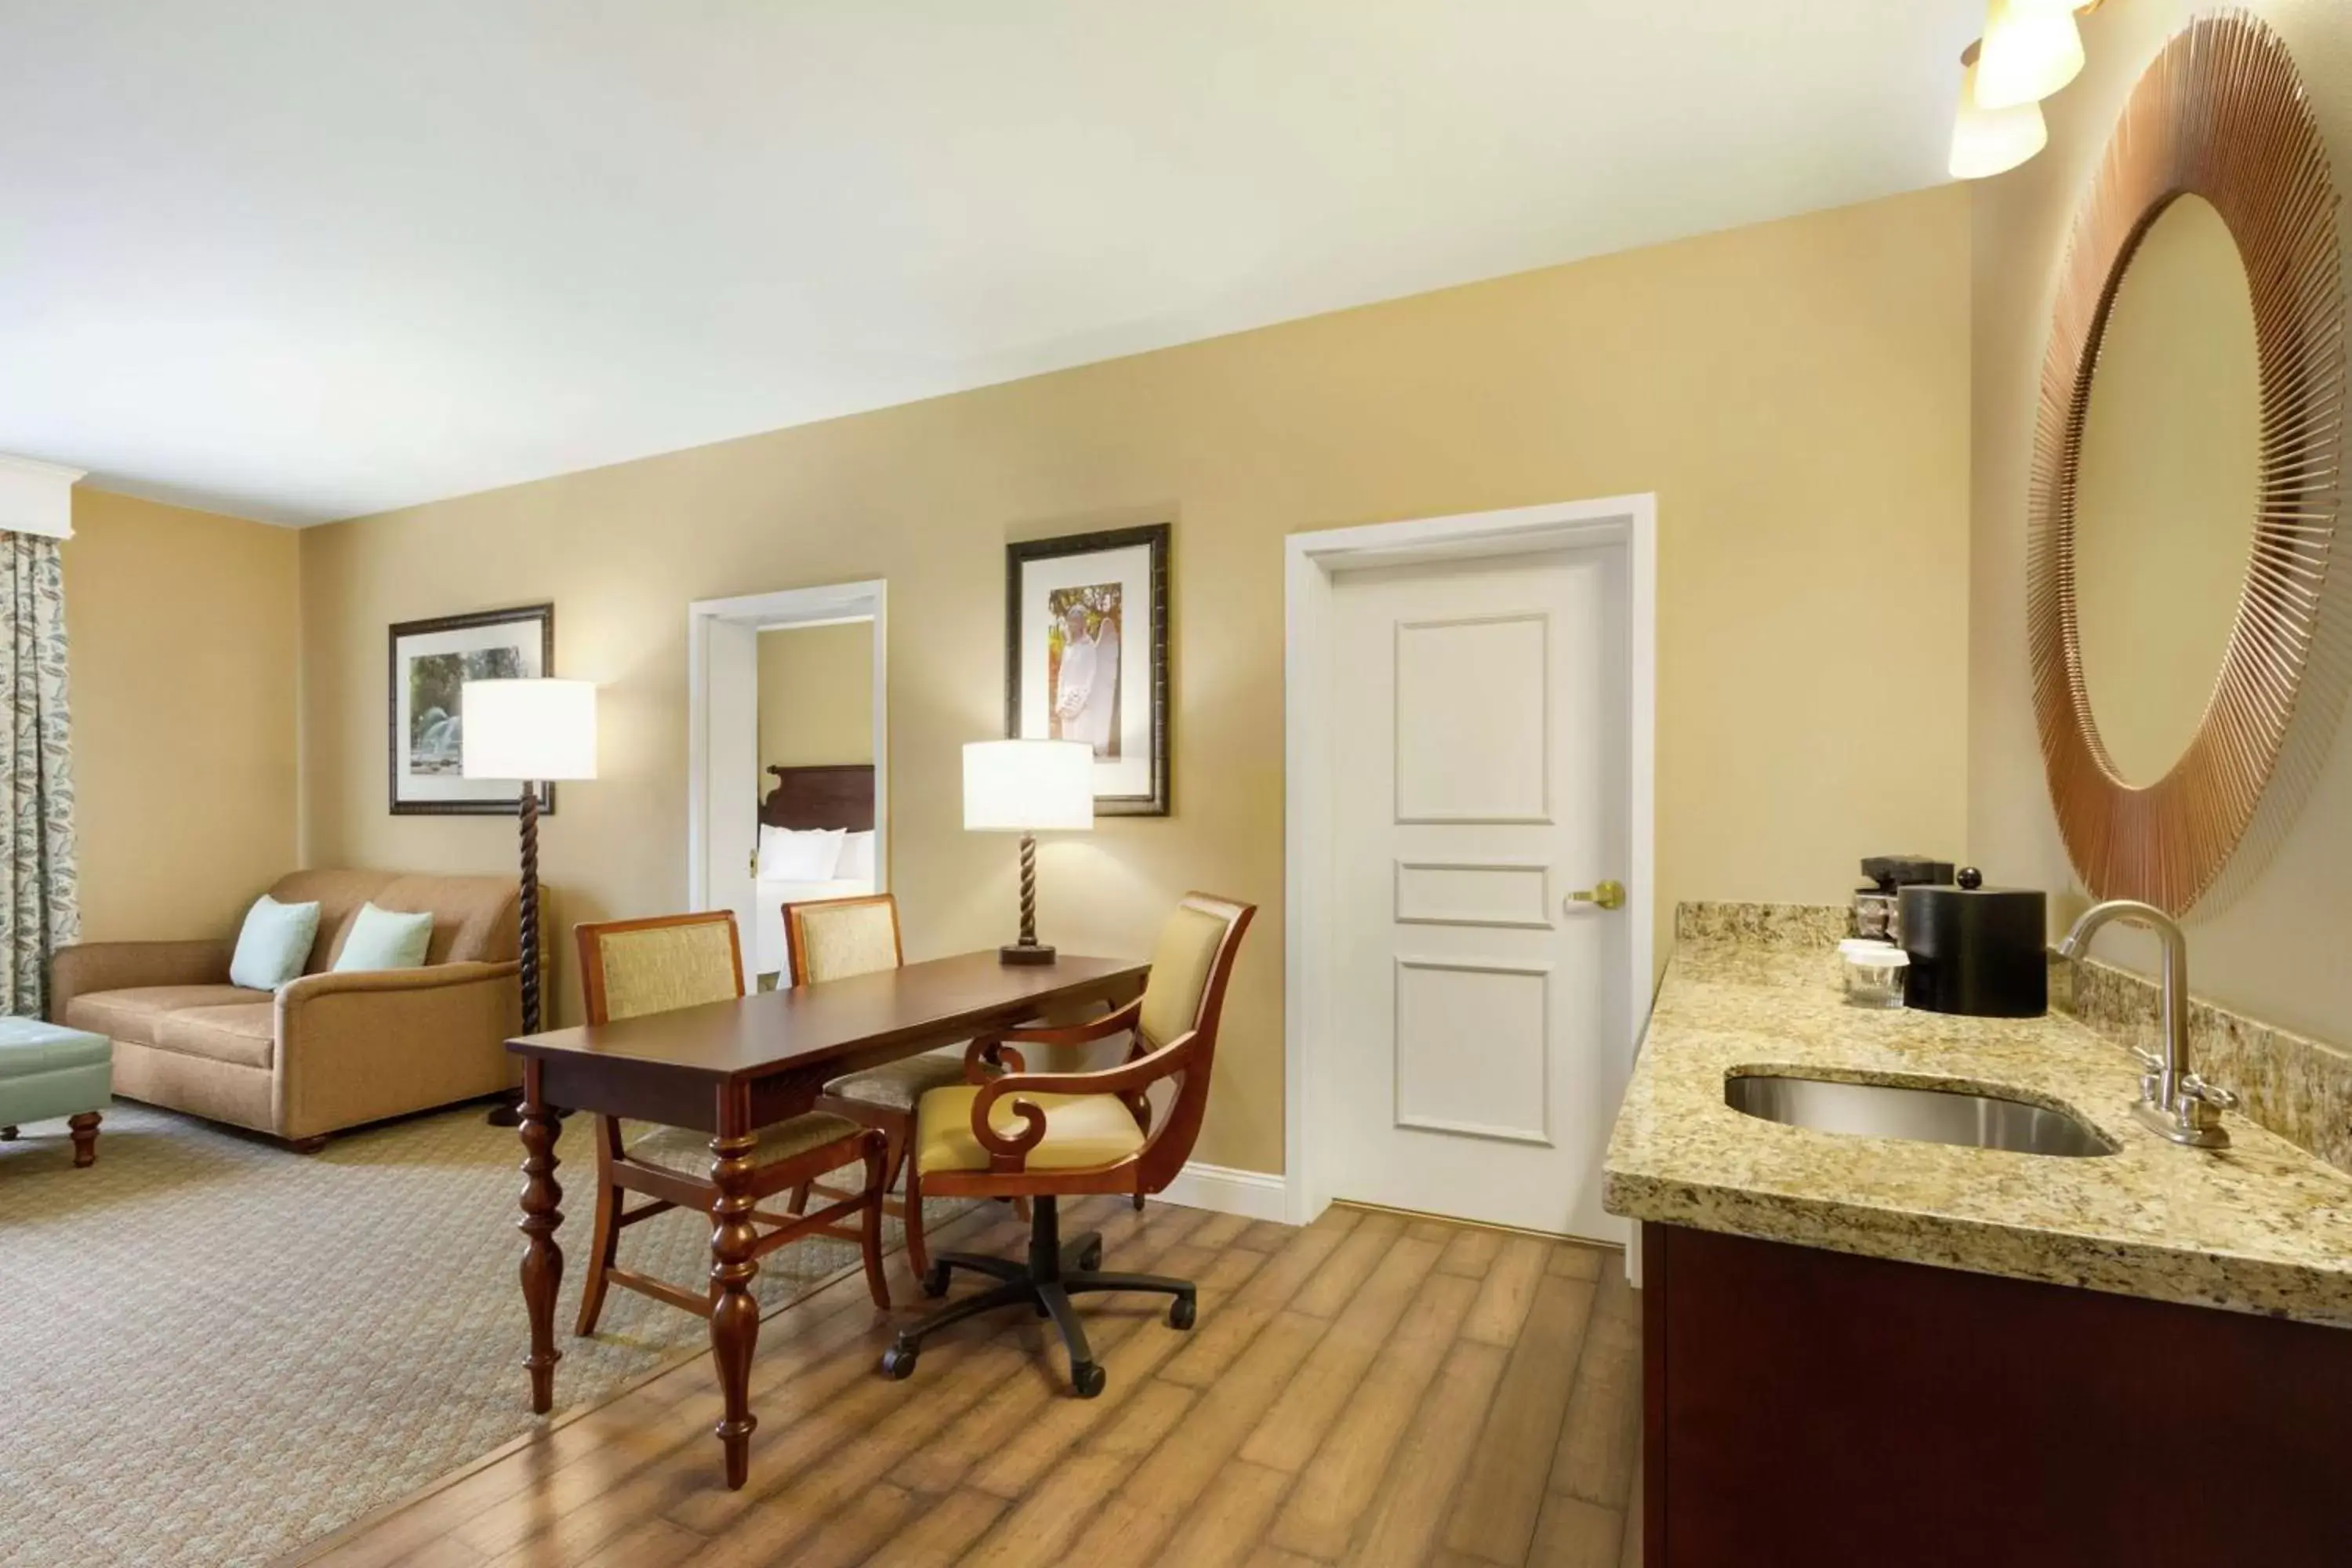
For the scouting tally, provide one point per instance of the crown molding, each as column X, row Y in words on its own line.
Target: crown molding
column 36, row 497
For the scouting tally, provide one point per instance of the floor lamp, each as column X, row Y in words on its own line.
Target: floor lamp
column 533, row 732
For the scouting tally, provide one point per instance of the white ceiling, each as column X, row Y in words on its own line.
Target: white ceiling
column 309, row 261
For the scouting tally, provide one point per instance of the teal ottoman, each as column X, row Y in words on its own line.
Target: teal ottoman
column 48, row 1071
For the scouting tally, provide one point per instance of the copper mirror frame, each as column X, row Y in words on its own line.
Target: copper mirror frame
column 2221, row 113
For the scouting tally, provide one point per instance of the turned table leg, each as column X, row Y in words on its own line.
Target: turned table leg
column 542, row 1260
column 734, row 1314
column 84, row 1128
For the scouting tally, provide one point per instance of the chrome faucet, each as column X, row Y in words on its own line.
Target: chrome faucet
column 2173, row 1100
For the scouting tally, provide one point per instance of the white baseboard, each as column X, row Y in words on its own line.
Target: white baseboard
column 1254, row 1193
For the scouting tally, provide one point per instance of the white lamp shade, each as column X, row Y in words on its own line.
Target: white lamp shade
column 540, row 729
column 1987, row 141
column 1028, row 787
column 2031, row 48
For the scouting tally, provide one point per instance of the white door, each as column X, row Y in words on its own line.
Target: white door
column 1480, row 722
column 731, row 803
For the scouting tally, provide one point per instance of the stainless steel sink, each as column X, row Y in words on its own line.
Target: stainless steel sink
column 1922, row 1115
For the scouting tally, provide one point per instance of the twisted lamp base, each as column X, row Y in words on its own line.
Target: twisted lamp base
column 508, row 1111
column 1028, row 950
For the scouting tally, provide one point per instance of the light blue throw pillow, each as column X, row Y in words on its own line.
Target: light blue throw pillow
column 381, row 939
column 274, row 944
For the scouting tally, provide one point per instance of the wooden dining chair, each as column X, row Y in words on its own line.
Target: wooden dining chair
column 832, row 938
column 629, row 968
column 1046, row 1136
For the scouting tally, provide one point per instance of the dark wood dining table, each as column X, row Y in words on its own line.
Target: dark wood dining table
column 731, row 1067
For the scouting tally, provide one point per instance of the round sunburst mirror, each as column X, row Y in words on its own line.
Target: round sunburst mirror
column 2187, row 461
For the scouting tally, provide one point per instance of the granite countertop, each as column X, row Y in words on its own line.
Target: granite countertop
column 2259, row 1227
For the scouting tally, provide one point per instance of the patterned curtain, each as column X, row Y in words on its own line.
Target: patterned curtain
column 42, row 906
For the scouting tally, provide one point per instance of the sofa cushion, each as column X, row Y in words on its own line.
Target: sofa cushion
column 338, row 895
column 133, row 1013
column 473, row 917
column 246, row 1035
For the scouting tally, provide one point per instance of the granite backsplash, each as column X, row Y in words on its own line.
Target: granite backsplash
column 1785, row 927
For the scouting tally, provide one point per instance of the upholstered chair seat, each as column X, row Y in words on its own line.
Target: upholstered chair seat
column 900, row 1084
column 687, row 1152
column 1081, row 1130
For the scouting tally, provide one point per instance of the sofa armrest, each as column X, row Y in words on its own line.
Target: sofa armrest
column 305, row 988
column 360, row 1047
column 93, row 966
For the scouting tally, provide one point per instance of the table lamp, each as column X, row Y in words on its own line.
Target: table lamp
column 533, row 732
column 1028, row 787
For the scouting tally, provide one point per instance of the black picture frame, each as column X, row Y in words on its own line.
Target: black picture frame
column 487, row 804
column 1155, row 800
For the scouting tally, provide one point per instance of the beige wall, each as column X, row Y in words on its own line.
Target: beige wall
column 2277, row 947
column 1795, row 394
column 816, row 697
column 181, row 647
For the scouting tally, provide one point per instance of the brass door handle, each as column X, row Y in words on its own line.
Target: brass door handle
column 1609, row 895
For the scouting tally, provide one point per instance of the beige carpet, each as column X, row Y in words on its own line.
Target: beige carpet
column 215, row 1350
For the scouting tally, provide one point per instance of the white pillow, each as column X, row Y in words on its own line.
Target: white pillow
column 771, row 846
column 274, row 943
column 800, row 855
column 385, row 939
column 857, row 857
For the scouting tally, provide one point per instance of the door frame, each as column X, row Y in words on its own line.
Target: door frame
column 825, row 604
column 1310, row 562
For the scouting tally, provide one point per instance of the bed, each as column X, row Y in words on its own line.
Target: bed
column 808, row 808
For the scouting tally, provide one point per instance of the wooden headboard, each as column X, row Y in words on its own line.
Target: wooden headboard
column 838, row 794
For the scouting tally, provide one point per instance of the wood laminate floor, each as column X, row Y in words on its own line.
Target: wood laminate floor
column 1367, row 1390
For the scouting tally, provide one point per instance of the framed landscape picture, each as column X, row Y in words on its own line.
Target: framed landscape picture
column 431, row 662
column 1085, row 656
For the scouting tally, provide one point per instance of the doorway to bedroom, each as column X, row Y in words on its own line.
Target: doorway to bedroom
column 789, row 767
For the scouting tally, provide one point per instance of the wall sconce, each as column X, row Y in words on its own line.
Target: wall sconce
column 1987, row 140
column 2031, row 49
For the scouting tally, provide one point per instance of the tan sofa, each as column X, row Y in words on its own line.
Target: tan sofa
column 325, row 1051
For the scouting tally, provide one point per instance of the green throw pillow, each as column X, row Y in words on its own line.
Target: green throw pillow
column 381, row 939
column 274, row 944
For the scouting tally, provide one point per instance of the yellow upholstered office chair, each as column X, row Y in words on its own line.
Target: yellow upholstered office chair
column 629, row 968
column 1044, row 1135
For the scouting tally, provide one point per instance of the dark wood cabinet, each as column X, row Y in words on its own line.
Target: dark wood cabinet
column 1804, row 1407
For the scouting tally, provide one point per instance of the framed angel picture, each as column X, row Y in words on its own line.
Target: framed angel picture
column 1085, row 656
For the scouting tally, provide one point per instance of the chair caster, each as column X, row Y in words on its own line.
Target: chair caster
column 1091, row 1258
column 1088, row 1379
column 1181, row 1312
column 935, row 1280
column 899, row 1363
